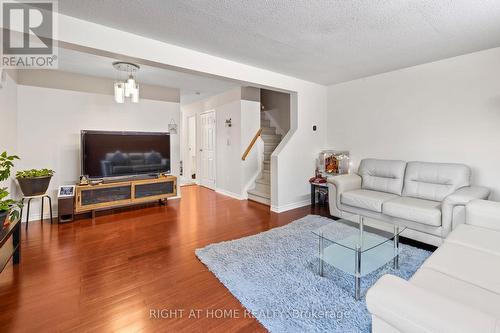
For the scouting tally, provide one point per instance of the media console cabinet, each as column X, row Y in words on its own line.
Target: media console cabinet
column 90, row 198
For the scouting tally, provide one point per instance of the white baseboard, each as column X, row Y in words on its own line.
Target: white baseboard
column 37, row 216
column 187, row 181
column 290, row 206
column 229, row 194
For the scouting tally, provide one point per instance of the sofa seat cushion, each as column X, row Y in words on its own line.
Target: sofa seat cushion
column 457, row 290
column 366, row 199
column 413, row 209
column 478, row 238
column 476, row 267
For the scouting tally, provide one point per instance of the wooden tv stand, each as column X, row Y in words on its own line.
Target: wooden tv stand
column 90, row 198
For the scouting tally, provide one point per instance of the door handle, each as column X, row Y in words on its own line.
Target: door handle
column 201, row 149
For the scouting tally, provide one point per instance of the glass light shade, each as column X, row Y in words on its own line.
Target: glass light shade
column 130, row 86
column 119, row 92
column 135, row 95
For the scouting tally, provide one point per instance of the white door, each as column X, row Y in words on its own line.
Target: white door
column 207, row 149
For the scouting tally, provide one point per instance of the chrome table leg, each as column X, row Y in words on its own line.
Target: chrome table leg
column 396, row 247
column 357, row 273
column 321, row 250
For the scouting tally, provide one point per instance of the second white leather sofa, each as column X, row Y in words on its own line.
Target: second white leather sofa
column 457, row 289
column 428, row 198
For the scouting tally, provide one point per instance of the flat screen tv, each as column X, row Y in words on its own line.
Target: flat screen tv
column 119, row 154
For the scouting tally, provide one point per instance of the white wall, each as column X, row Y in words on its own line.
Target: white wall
column 277, row 107
column 232, row 174
column 228, row 147
column 184, row 147
column 455, row 102
column 195, row 109
column 8, row 121
column 250, row 124
column 56, row 79
column 189, row 160
column 446, row 111
column 50, row 121
column 293, row 163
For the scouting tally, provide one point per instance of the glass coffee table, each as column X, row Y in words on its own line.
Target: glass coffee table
column 357, row 251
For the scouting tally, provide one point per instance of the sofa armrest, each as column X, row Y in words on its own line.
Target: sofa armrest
column 346, row 182
column 483, row 213
column 464, row 195
column 459, row 198
column 336, row 186
column 409, row 308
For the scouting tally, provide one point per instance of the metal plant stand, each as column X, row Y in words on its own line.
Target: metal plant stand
column 43, row 196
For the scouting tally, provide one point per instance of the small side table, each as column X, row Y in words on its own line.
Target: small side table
column 314, row 188
column 43, row 196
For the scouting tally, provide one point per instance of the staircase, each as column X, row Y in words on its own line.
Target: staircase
column 262, row 191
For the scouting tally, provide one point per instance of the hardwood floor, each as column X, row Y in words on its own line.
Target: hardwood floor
column 107, row 274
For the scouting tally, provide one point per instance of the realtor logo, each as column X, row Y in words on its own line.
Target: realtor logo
column 28, row 34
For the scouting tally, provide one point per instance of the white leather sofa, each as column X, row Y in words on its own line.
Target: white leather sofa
column 428, row 198
column 457, row 289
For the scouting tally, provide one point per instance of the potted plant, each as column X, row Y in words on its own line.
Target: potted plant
column 8, row 207
column 34, row 181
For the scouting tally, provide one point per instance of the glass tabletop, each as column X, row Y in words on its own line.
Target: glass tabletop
column 347, row 234
column 358, row 249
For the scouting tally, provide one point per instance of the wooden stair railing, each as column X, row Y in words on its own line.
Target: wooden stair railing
column 252, row 143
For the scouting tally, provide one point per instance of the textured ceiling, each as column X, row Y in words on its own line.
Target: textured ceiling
column 326, row 41
column 192, row 87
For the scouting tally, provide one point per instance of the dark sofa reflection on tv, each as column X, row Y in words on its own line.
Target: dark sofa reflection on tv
column 124, row 164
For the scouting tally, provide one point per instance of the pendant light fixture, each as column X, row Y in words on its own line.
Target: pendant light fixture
column 130, row 87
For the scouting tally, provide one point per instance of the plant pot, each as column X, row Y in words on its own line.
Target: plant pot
column 34, row 186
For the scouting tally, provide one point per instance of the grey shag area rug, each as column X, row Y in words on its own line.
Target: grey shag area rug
column 274, row 275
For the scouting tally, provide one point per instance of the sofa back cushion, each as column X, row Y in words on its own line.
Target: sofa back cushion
column 382, row 175
column 434, row 181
